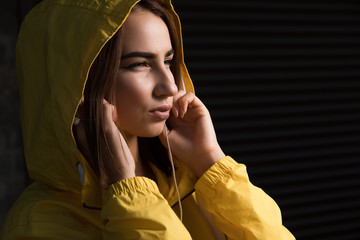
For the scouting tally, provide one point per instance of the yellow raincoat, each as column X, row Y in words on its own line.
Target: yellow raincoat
column 57, row 43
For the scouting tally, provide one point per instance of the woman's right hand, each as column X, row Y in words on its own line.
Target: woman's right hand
column 118, row 146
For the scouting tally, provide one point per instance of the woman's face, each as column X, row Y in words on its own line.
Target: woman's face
column 144, row 85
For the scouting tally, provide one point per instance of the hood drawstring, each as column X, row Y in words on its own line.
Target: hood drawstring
column 174, row 175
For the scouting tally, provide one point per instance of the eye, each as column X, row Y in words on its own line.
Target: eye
column 137, row 65
column 169, row 62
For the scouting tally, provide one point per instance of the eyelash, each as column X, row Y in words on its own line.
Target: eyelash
column 137, row 64
column 168, row 62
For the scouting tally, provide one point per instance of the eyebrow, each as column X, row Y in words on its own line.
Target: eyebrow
column 144, row 54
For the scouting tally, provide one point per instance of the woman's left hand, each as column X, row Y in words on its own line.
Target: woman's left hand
column 191, row 135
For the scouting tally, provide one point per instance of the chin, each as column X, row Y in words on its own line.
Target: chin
column 153, row 131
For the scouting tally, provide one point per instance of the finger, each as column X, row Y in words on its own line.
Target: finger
column 109, row 115
column 176, row 107
column 175, row 110
column 109, row 111
column 184, row 103
column 113, row 113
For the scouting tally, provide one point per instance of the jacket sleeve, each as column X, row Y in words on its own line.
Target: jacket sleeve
column 239, row 209
column 135, row 209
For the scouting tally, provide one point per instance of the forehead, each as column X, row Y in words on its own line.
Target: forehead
column 144, row 31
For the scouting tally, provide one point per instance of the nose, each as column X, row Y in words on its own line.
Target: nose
column 166, row 86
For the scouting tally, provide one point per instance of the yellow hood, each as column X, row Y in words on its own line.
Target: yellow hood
column 57, row 43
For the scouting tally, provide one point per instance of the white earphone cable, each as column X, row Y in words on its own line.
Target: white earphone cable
column 174, row 176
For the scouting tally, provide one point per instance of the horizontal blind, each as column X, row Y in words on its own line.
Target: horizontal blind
column 282, row 82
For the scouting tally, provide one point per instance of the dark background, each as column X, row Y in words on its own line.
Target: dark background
column 282, row 82
column 13, row 177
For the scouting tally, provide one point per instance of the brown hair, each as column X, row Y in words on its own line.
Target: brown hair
column 99, row 84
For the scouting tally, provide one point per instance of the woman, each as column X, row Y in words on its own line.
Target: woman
column 111, row 179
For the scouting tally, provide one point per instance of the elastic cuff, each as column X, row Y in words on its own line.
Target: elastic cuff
column 216, row 172
column 131, row 184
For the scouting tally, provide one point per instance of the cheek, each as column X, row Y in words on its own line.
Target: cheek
column 133, row 83
column 127, row 109
column 132, row 94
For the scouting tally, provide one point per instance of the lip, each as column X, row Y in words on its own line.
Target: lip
column 161, row 112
